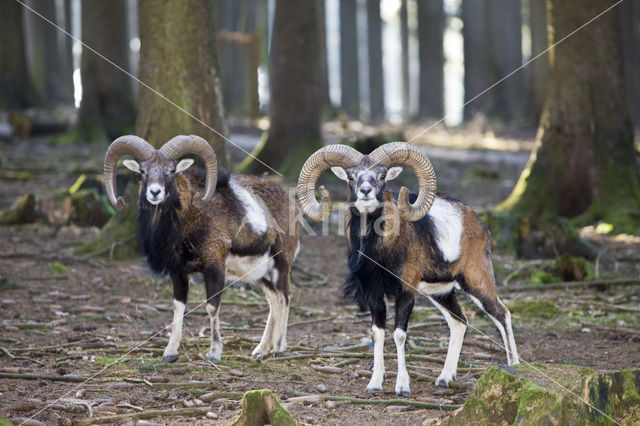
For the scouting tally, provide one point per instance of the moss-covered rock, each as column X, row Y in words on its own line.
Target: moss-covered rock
column 532, row 395
column 262, row 407
column 22, row 211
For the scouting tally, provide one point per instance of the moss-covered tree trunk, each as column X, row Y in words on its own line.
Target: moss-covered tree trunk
column 15, row 87
column 107, row 108
column 585, row 164
column 49, row 68
column 296, row 89
column 178, row 59
column 537, row 72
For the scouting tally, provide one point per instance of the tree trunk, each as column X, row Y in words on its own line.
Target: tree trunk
column 430, row 39
column 504, row 36
column 188, row 77
column 404, row 41
column 476, row 76
column 294, row 132
column 631, row 44
column 350, row 101
column 374, row 40
column 585, row 163
column 327, row 110
column 539, row 68
column 49, row 69
column 107, row 108
column 15, row 87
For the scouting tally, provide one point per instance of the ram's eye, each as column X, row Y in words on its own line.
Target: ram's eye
column 142, row 172
column 352, row 177
column 383, row 176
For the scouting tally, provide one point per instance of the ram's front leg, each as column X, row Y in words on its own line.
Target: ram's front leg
column 180, row 290
column 378, row 317
column 404, row 306
column 214, row 282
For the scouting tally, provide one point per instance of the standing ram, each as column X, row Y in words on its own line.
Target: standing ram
column 396, row 249
column 243, row 227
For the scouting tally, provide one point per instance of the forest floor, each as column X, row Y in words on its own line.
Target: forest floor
column 81, row 338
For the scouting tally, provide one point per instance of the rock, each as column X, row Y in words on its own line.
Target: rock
column 22, row 211
column 321, row 388
column 211, row 415
column 261, row 407
column 525, row 396
column 331, row 404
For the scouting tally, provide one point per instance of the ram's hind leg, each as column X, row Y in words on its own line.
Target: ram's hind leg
column 457, row 322
column 266, row 343
column 483, row 294
column 180, row 290
column 214, row 283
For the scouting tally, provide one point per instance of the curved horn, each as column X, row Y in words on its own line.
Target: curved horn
column 124, row 145
column 182, row 145
column 404, row 154
column 321, row 160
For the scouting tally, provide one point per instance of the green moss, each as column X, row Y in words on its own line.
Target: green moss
column 571, row 268
column 59, row 268
column 4, row 421
column 260, row 407
column 544, row 309
column 542, row 277
column 528, row 396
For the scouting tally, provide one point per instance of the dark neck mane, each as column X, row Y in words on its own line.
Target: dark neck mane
column 159, row 234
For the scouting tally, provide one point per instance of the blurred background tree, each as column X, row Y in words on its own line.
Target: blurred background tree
column 585, row 164
column 282, row 77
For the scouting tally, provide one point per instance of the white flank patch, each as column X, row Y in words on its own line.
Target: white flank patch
column 448, row 225
column 254, row 214
column 435, row 288
column 248, row 268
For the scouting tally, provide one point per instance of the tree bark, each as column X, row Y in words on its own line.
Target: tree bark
column 178, row 59
column 49, row 67
column 350, row 100
column 107, row 108
column 585, row 164
column 476, row 76
column 374, row 41
column 539, row 68
column 431, row 54
column 631, row 44
column 504, row 49
column 294, row 132
column 404, row 41
column 327, row 110
column 15, row 86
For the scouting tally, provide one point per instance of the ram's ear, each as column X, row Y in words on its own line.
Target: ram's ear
column 184, row 164
column 393, row 173
column 132, row 165
column 340, row 173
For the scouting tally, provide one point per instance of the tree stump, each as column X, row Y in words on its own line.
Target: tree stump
column 262, row 407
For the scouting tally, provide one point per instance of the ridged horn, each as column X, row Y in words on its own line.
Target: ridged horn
column 124, row 145
column 329, row 156
column 401, row 153
column 182, row 145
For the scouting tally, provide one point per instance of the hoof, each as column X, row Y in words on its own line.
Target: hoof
column 213, row 358
column 441, row 383
column 403, row 394
column 373, row 389
column 168, row 359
